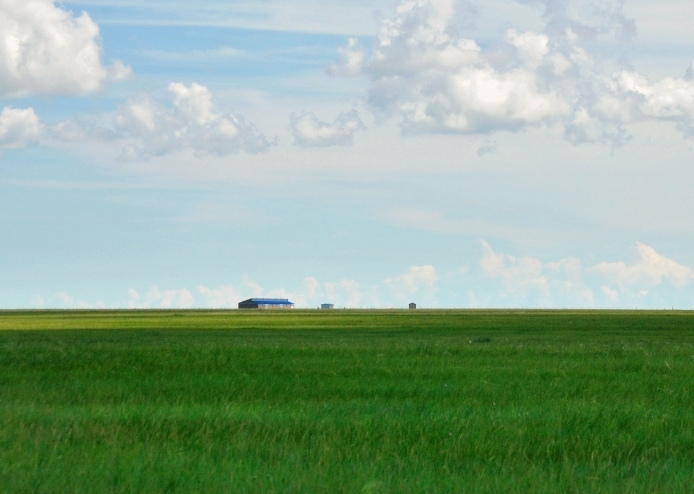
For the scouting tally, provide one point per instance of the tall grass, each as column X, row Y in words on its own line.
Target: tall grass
column 347, row 401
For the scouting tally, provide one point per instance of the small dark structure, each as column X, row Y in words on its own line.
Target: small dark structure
column 266, row 303
column 413, row 305
column 327, row 306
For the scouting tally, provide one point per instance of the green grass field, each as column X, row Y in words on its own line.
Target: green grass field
column 347, row 401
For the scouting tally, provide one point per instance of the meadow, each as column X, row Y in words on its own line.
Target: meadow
column 347, row 401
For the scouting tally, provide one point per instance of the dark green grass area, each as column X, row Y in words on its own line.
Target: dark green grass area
column 347, row 401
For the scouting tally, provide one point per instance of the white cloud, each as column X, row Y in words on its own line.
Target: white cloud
column 308, row 131
column 343, row 293
column 429, row 77
column 350, row 59
column 46, row 50
column 225, row 296
column 19, row 127
column 63, row 300
column 297, row 297
column 525, row 271
column 162, row 299
column 228, row 296
column 311, row 287
column 588, row 18
column 649, row 268
column 416, row 278
column 436, row 81
column 146, row 127
column 609, row 293
column 498, row 280
column 527, row 281
column 670, row 99
column 194, row 103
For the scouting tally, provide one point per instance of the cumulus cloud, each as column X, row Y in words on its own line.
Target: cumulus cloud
column 160, row 299
column 431, row 78
column 350, row 59
column 228, row 296
column 46, row 50
column 19, row 127
column 311, row 293
column 147, row 127
column 343, row 293
column 308, row 131
column 650, row 268
column 63, row 300
column 416, row 278
column 588, row 18
column 529, row 281
column 225, row 296
column 610, row 294
column 498, row 279
column 650, row 280
column 436, row 81
column 525, row 271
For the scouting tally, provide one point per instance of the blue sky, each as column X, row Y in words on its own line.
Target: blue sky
column 506, row 153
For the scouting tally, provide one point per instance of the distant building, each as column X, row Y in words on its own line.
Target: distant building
column 413, row 305
column 327, row 306
column 266, row 303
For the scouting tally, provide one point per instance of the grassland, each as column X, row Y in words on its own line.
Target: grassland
column 347, row 401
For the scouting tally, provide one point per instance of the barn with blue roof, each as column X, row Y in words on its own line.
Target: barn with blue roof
column 266, row 303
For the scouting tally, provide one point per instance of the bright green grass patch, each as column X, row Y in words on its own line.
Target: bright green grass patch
column 347, row 401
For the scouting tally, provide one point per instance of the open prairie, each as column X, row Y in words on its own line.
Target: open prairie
column 347, row 401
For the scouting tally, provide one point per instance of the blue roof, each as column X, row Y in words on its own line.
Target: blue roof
column 271, row 301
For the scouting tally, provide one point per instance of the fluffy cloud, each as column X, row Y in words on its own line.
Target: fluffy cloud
column 309, row 131
column 438, row 82
column 424, row 73
column 519, row 271
column 19, row 127
column 527, row 281
column 350, row 59
column 64, row 300
column 343, row 293
column 46, row 50
column 228, row 296
column 651, row 280
column 416, row 278
column 649, row 268
column 225, row 296
column 162, row 299
column 148, row 128
column 588, row 18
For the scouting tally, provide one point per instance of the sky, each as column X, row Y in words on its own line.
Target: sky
column 451, row 153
